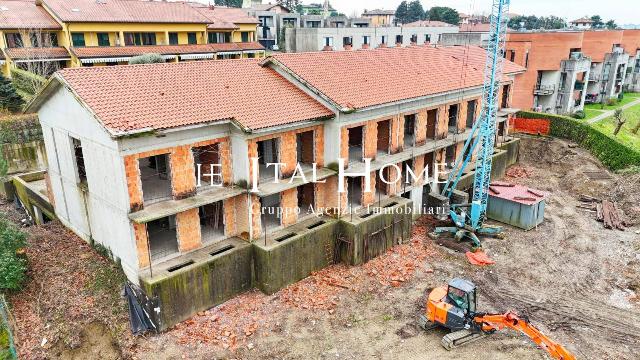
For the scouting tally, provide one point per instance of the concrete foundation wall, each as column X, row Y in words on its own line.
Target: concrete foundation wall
column 186, row 291
column 278, row 264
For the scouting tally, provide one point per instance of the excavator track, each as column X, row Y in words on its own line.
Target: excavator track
column 459, row 338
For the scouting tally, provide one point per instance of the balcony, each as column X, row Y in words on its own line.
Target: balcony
column 544, row 90
column 595, row 77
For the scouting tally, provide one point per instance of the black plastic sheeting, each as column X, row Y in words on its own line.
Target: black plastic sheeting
column 139, row 315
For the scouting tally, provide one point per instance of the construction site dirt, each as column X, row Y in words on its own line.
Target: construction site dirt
column 575, row 280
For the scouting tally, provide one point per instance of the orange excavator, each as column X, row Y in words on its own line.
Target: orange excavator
column 453, row 306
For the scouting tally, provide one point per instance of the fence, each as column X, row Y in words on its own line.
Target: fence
column 7, row 326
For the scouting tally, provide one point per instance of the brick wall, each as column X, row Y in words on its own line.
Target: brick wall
column 142, row 247
column 183, row 181
column 369, row 198
column 287, row 152
column 289, row 201
column 188, row 230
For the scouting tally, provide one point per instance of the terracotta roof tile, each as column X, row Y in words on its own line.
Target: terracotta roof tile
column 124, row 11
column 359, row 79
column 119, row 51
column 32, row 53
column 21, row 14
column 428, row 23
column 224, row 17
column 160, row 96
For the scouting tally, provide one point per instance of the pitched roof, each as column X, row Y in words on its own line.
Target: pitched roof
column 221, row 17
column 160, row 96
column 428, row 23
column 20, row 14
column 475, row 27
column 359, row 79
column 124, row 11
column 582, row 20
column 118, row 51
column 37, row 53
column 379, row 12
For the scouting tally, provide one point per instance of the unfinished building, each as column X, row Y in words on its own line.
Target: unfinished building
column 201, row 200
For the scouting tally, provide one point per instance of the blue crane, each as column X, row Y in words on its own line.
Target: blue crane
column 469, row 218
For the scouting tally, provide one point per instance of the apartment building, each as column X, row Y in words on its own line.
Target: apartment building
column 566, row 69
column 181, row 185
column 356, row 38
column 608, row 64
column 631, row 44
column 73, row 33
column 557, row 70
column 380, row 17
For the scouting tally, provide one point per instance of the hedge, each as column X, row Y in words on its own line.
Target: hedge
column 19, row 129
column 611, row 152
column 26, row 81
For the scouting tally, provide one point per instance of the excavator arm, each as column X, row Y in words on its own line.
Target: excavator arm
column 494, row 322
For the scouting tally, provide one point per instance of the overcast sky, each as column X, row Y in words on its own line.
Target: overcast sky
column 622, row 11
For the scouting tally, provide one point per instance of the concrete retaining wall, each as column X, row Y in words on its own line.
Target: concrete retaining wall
column 203, row 285
column 279, row 264
column 24, row 157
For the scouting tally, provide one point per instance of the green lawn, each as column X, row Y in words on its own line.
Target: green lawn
column 591, row 113
column 633, row 117
column 628, row 97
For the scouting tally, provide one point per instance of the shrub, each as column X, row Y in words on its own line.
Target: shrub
column 26, row 81
column 611, row 152
column 12, row 264
column 579, row 115
column 621, row 96
column 9, row 98
column 612, row 102
column 150, row 58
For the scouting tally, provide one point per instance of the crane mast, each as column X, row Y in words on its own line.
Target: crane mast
column 469, row 222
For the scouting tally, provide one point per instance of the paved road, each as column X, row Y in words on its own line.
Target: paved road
column 608, row 113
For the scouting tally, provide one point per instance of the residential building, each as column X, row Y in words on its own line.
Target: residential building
column 583, row 23
column 631, row 45
column 29, row 37
column 380, row 17
column 72, row 33
column 356, row 38
column 126, row 174
column 557, row 70
column 608, row 64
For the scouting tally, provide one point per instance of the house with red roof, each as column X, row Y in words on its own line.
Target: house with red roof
column 201, row 193
column 43, row 36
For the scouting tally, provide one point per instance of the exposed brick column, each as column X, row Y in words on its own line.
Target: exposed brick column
column 188, row 230
column 394, row 178
column 289, row 202
column 395, row 127
column 418, row 167
column 370, row 139
column 442, row 125
column 252, row 152
column 462, row 116
column 256, row 222
column 183, row 180
column 344, row 143
column 319, row 145
column 369, row 198
column 224, row 152
column 134, row 185
column 400, row 132
column 142, row 248
column 288, row 153
column 421, row 127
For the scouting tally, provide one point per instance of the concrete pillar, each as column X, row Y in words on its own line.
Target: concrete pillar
column 435, row 201
column 121, row 38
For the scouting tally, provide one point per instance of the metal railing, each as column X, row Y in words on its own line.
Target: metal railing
column 540, row 89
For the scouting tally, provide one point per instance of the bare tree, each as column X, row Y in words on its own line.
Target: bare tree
column 620, row 120
column 36, row 59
